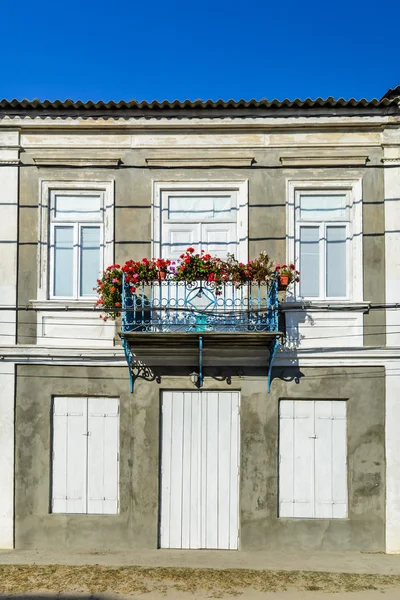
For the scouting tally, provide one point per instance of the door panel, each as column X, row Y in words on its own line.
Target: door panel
column 177, row 238
column 199, row 473
column 219, row 238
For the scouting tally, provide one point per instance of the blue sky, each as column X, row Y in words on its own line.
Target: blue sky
column 207, row 49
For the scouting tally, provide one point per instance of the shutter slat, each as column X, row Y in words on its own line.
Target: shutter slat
column 77, row 455
column 175, row 536
column 234, row 471
column 166, row 448
column 211, row 449
column 186, row 468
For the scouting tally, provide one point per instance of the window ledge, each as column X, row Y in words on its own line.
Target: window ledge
column 64, row 304
column 320, row 305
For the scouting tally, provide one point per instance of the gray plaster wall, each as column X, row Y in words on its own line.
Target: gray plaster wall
column 267, row 217
column 137, row 523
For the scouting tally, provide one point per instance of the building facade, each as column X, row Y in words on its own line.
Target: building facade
column 305, row 454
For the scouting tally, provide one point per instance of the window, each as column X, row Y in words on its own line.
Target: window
column 76, row 238
column 312, row 459
column 85, row 455
column 322, row 235
column 325, row 238
column 207, row 215
column 76, row 243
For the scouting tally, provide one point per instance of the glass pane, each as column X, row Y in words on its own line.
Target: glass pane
column 63, row 261
column 325, row 207
column 309, row 261
column 73, row 208
column 336, row 261
column 90, row 259
column 200, row 207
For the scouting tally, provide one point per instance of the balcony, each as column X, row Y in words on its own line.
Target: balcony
column 182, row 323
column 199, row 306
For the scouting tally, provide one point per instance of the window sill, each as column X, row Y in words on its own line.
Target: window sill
column 320, row 305
column 66, row 304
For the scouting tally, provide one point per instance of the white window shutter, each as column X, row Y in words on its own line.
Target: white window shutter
column 296, row 458
column 303, row 458
column 330, row 459
column 286, row 453
column 103, row 449
column 313, row 459
column 324, row 458
column 69, row 455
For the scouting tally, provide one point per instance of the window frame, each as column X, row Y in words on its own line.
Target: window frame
column 323, row 225
column 77, row 226
column 354, row 252
column 47, row 190
column 85, row 459
column 297, row 403
column 240, row 187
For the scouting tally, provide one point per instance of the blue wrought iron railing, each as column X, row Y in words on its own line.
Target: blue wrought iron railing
column 200, row 306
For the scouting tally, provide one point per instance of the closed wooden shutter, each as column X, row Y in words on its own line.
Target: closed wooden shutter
column 330, row 460
column 312, row 459
column 69, row 455
column 85, row 455
column 103, row 426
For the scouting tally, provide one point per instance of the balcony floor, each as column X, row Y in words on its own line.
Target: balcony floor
column 219, row 349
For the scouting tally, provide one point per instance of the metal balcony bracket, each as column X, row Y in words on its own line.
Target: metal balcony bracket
column 200, row 361
column 273, row 347
column 128, row 357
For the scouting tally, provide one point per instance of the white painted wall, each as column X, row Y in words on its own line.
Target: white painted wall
column 6, row 454
column 392, row 245
column 8, row 234
column 9, row 141
column 393, row 457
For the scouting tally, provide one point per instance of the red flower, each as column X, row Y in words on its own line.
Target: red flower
column 292, row 267
column 112, row 289
column 191, row 250
column 117, row 303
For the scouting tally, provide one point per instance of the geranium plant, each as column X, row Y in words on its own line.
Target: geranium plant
column 109, row 289
column 287, row 274
column 200, row 266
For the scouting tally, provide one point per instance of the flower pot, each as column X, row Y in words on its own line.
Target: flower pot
column 161, row 275
column 283, row 282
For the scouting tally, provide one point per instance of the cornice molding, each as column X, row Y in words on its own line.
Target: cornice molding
column 200, row 161
column 60, row 161
column 325, row 161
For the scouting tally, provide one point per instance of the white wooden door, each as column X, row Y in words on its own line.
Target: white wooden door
column 312, row 459
column 200, row 470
